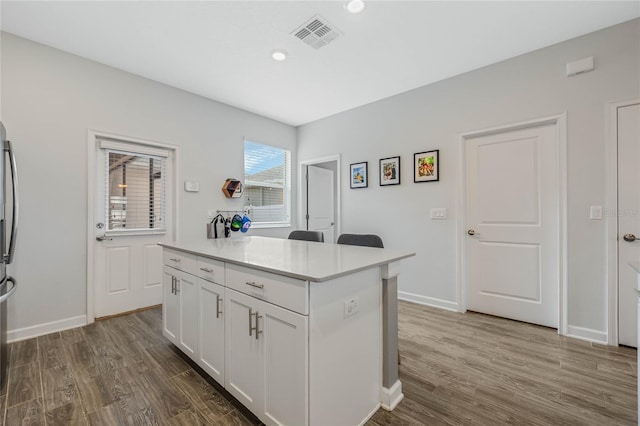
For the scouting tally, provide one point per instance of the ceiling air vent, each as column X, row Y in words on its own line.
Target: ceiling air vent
column 316, row 32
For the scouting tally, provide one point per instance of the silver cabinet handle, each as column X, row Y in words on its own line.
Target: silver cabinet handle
column 210, row 271
column 218, row 311
column 253, row 284
column 175, row 259
column 629, row 238
column 177, row 285
column 252, row 329
column 257, row 330
column 9, row 293
column 8, row 257
column 173, row 284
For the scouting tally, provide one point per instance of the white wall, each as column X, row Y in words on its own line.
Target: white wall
column 432, row 117
column 49, row 100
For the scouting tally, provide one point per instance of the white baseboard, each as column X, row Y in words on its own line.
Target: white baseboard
column 429, row 301
column 391, row 397
column 363, row 422
column 587, row 334
column 46, row 328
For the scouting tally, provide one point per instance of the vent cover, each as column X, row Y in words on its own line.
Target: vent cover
column 316, row 32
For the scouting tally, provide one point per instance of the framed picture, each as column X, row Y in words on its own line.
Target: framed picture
column 359, row 177
column 425, row 166
column 390, row 171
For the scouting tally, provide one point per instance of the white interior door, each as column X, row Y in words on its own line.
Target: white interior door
column 512, row 217
column 628, row 123
column 133, row 211
column 320, row 201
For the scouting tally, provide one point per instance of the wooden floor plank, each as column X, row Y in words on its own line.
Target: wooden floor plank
column 457, row 369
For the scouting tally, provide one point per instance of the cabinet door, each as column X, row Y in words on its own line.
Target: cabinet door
column 211, row 329
column 170, row 306
column 188, row 338
column 284, row 366
column 243, row 378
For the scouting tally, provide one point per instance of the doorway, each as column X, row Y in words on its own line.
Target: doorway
column 320, row 196
column 512, row 231
column 131, row 207
column 624, row 226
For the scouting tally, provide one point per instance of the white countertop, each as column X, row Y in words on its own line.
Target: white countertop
column 305, row 260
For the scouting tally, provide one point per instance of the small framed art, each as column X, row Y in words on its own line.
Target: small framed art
column 390, row 171
column 425, row 166
column 359, row 175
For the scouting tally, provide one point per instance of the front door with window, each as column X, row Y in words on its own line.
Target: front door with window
column 133, row 213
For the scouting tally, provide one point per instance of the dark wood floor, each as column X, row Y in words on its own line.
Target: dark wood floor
column 457, row 369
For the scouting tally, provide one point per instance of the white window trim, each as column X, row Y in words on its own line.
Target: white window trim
column 110, row 146
column 286, row 188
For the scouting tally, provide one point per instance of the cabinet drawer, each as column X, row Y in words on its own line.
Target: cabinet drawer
column 179, row 260
column 290, row 293
column 211, row 270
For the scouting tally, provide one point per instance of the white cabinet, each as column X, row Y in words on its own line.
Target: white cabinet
column 211, row 316
column 187, row 293
column 243, row 350
column 266, row 359
column 170, row 305
column 179, row 314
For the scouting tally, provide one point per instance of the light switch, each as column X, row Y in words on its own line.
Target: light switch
column 439, row 213
column 595, row 212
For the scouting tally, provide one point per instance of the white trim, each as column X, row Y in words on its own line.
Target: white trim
column 46, row 328
column 326, row 159
column 391, row 397
column 560, row 121
column 371, row 414
column 126, row 148
column 428, row 301
column 587, row 334
column 93, row 140
column 611, row 203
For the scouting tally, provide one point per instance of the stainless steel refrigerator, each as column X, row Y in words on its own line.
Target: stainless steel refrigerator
column 8, row 284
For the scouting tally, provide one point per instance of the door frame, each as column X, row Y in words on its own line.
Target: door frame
column 560, row 121
column 92, row 142
column 611, row 214
column 302, row 200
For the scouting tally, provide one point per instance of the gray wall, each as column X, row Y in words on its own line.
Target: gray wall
column 49, row 100
column 432, row 117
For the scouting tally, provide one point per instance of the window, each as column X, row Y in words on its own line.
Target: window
column 135, row 189
column 267, row 186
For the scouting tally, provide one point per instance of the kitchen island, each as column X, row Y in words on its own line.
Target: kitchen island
column 301, row 333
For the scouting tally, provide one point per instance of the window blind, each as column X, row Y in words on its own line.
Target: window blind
column 135, row 191
column 267, row 187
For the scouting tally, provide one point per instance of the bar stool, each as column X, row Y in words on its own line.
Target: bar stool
column 317, row 236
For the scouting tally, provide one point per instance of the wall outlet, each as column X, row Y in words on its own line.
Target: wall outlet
column 351, row 307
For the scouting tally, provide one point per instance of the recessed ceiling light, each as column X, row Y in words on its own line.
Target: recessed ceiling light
column 355, row 6
column 279, row 55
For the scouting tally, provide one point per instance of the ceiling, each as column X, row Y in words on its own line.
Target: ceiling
column 222, row 49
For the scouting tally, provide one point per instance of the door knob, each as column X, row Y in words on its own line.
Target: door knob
column 471, row 232
column 629, row 237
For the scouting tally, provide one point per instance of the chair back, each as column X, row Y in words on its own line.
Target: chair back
column 364, row 240
column 317, row 236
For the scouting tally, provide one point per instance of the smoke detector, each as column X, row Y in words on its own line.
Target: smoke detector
column 316, row 32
